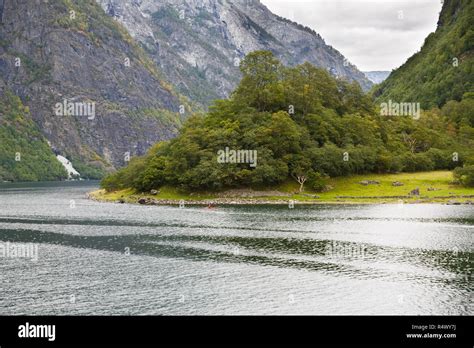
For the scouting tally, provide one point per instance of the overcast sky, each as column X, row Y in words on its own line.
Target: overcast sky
column 372, row 34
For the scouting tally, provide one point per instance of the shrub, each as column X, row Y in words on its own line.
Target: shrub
column 465, row 175
column 417, row 162
column 317, row 181
column 441, row 159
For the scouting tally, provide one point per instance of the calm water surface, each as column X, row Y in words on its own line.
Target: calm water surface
column 102, row 258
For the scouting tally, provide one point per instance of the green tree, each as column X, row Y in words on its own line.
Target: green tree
column 261, row 85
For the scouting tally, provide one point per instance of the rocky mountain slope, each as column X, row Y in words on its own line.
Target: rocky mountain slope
column 103, row 80
column 199, row 43
column 443, row 70
column 70, row 53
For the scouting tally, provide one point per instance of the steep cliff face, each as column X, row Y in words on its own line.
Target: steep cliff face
column 68, row 52
column 199, row 43
column 443, row 70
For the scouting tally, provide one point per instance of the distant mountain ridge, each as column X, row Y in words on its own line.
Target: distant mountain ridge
column 377, row 76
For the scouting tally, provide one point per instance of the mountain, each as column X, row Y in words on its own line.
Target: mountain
column 70, row 53
column 198, row 44
column 443, row 69
column 377, row 76
column 103, row 80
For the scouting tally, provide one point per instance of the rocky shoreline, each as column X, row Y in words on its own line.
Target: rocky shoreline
column 206, row 202
column 149, row 201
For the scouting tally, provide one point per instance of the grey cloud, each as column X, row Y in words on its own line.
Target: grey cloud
column 373, row 35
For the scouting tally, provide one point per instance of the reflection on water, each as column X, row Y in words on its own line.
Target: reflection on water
column 98, row 258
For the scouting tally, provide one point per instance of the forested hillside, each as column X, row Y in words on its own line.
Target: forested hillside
column 25, row 155
column 443, row 70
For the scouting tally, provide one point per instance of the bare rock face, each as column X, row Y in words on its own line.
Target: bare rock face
column 57, row 51
column 199, row 43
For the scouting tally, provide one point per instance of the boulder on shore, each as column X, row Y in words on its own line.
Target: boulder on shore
column 369, row 182
column 415, row 192
column 143, row 200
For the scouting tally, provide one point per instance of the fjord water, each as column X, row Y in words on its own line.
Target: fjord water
column 115, row 259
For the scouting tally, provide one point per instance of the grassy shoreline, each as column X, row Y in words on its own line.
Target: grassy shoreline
column 434, row 187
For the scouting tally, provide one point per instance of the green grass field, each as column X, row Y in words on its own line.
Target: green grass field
column 439, row 180
column 345, row 190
